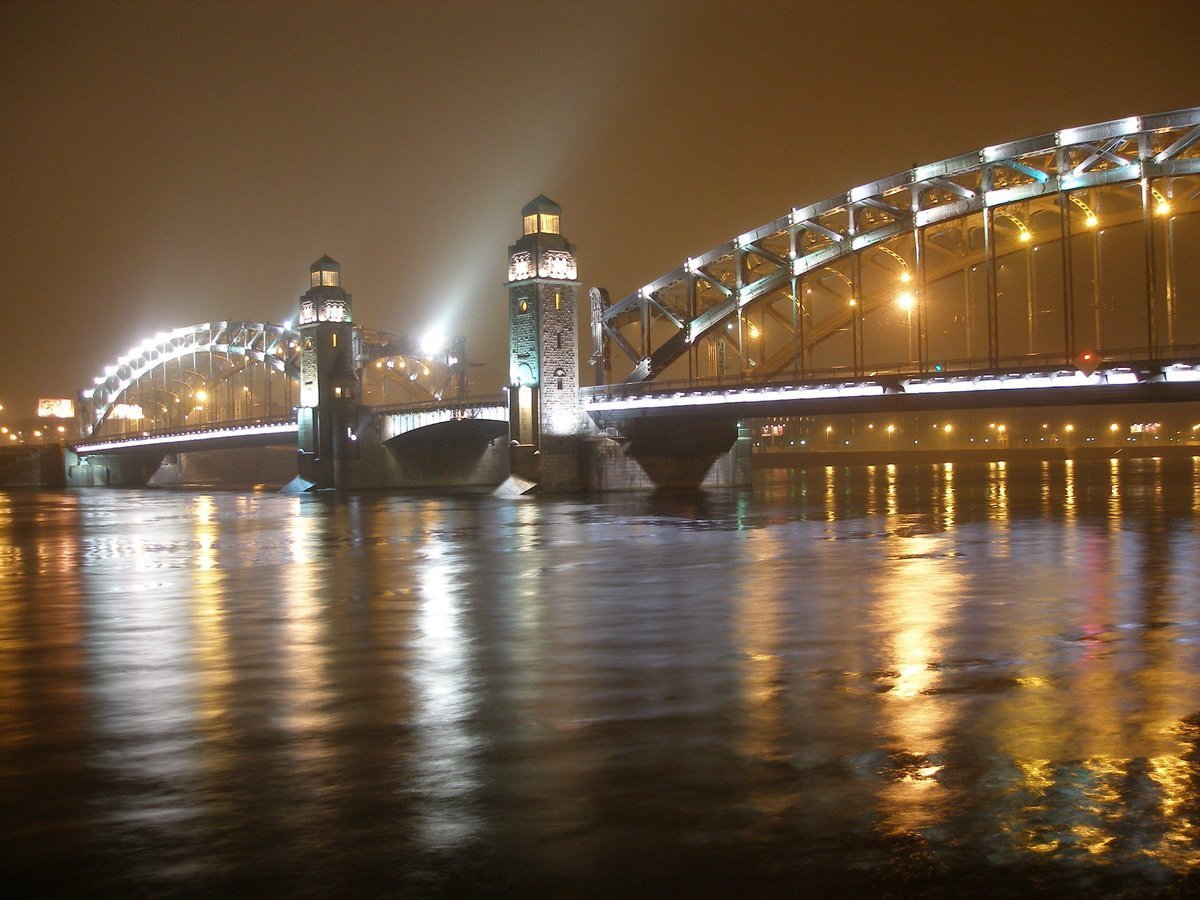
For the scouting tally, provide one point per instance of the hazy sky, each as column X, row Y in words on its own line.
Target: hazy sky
column 168, row 163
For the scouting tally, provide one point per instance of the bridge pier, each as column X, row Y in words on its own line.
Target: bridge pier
column 667, row 457
column 104, row 470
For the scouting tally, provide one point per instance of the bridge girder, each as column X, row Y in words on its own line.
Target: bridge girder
column 273, row 348
column 1056, row 173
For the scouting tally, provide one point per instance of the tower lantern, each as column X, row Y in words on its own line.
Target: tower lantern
column 325, row 300
column 543, row 364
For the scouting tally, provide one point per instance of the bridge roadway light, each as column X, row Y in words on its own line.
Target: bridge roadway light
column 1162, row 206
column 1090, row 218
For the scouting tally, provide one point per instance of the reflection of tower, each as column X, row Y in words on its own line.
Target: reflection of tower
column 543, row 364
column 329, row 376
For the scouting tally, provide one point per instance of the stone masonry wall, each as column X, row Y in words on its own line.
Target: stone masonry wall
column 560, row 359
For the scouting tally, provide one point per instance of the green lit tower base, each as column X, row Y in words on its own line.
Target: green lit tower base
column 330, row 384
column 543, row 363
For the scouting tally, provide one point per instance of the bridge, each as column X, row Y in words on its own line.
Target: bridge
column 1052, row 270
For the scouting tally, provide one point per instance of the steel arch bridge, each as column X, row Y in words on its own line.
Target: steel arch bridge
column 1043, row 251
column 230, row 373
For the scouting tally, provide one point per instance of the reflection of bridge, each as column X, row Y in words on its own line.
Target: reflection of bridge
column 1056, row 269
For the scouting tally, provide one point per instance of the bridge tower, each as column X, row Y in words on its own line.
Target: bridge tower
column 543, row 359
column 330, row 382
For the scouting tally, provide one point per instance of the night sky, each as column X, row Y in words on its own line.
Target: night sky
column 166, row 163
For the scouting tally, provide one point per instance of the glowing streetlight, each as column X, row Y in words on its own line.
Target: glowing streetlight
column 1023, row 234
column 1162, row 206
column 753, row 331
column 1090, row 219
column 906, row 301
column 201, row 396
column 905, row 276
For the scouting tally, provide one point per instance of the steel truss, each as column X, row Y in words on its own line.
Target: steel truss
column 167, row 373
column 708, row 299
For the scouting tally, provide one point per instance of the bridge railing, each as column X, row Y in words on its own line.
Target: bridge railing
column 225, row 425
column 947, row 368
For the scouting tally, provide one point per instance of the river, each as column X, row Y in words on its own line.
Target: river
column 917, row 680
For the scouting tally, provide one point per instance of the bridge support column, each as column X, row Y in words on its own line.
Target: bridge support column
column 99, row 470
column 667, row 456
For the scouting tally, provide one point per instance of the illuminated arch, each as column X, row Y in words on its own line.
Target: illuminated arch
column 708, row 297
column 274, row 347
column 277, row 347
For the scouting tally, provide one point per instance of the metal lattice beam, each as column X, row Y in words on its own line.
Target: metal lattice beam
column 843, row 227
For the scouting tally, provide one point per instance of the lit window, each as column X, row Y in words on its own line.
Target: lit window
column 334, row 339
column 337, row 392
column 557, row 300
column 549, row 223
column 316, row 278
column 531, row 224
column 329, row 279
column 524, row 306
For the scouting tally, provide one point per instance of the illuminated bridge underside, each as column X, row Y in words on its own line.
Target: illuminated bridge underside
column 1024, row 253
column 484, row 419
column 620, row 405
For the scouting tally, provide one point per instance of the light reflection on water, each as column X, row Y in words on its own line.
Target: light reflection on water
column 877, row 679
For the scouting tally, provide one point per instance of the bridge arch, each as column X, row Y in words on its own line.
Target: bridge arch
column 1023, row 253
column 221, row 372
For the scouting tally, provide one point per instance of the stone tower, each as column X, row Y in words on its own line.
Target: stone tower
column 543, row 361
column 330, row 383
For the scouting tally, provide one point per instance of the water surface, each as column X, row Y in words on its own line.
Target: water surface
column 877, row 680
